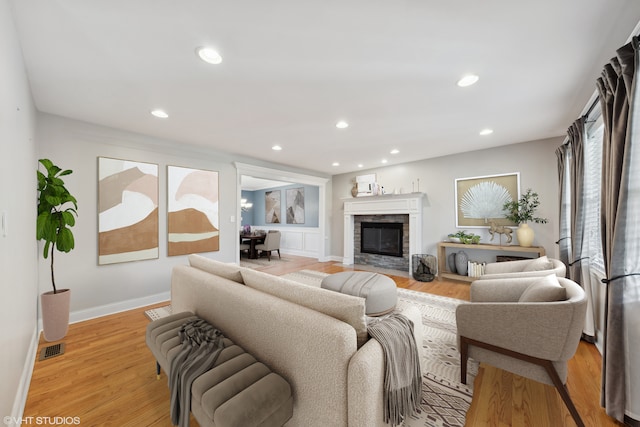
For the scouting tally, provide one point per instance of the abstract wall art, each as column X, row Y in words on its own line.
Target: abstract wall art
column 127, row 211
column 272, row 207
column 192, row 211
column 295, row 205
column 479, row 200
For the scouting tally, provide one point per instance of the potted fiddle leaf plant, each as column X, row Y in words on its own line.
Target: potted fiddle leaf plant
column 57, row 212
column 522, row 211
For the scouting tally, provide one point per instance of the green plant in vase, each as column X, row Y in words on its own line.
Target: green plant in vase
column 522, row 212
column 465, row 238
column 57, row 212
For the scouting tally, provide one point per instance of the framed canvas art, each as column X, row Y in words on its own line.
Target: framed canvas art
column 479, row 200
column 192, row 211
column 272, row 207
column 127, row 211
column 295, row 205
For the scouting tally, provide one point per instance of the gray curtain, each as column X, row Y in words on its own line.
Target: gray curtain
column 564, row 243
column 579, row 262
column 620, row 214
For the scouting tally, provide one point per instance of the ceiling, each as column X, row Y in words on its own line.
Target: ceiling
column 291, row 69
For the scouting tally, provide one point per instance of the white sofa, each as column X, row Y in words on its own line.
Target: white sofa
column 314, row 338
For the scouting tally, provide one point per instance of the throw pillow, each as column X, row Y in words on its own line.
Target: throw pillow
column 228, row 271
column 539, row 264
column 545, row 289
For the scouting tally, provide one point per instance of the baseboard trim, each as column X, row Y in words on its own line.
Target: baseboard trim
column 118, row 307
column 25, row 380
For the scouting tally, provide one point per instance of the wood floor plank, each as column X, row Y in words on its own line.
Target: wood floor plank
column 107, row 375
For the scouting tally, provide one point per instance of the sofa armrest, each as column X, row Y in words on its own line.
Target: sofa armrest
column 535, row 329
column 365, row 381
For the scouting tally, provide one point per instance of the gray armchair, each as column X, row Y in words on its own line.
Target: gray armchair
column 525, row 268
column 271, row 243
column 509, row 325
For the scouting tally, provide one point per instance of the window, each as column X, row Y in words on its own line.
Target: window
column 593, row 183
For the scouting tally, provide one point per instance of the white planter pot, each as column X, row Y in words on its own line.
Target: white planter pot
column 525, row 235
column 55, row 314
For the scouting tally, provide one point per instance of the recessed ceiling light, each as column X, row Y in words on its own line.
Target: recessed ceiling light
column 468, row 80
column 360, row 165
column 209, row 55
column 395, row 151
column 384, row 161
column 161, row 114
column 276, row 148
column 342, row 124
column 485, row 132
column 335, row 164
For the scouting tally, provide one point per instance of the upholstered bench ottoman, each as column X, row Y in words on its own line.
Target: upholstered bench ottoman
column 379, row 291
column 238, row 391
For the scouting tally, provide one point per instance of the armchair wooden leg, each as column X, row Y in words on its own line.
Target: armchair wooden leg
column 464, row 357
column 279, row 254
column 564, row 393
column 546, row 364
column 157, row 370
column 269, row 255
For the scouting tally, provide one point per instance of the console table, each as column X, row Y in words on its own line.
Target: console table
column 442, row 256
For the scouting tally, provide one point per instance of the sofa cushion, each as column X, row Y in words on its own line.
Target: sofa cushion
column 538, row 264
column 228, row 271
column 545, row 289
column 346, row 308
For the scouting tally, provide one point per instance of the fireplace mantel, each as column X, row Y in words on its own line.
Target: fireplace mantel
column 391, row 204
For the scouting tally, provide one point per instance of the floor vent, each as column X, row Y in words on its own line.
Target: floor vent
column 52, row 351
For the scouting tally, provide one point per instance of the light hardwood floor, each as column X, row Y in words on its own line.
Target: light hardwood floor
column 107, row 375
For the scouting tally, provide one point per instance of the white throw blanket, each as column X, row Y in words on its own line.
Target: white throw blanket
column 403, row 378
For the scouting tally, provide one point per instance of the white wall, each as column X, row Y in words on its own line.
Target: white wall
column 535, row 161
column 96, row 289
column 18, row 257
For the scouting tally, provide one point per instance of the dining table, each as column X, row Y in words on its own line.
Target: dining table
column 253, row 240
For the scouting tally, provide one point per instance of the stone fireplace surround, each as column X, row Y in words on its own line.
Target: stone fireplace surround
column 378, row 260
column 376, row 206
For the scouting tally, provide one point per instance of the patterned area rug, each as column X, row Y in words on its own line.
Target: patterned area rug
column 262, row 261
column 157, row 313
column 445, row 401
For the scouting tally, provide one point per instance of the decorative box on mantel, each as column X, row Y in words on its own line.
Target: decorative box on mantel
column 389, row 204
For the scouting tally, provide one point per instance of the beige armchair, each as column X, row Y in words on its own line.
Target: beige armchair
column 244, row 247
column 509, row 325
column 271, row 243
column 524, row 268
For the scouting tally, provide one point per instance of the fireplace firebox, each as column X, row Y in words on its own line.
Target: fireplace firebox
column 382, row 238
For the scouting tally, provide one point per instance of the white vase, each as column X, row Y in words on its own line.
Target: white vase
column 525, row 235
column 55, row 314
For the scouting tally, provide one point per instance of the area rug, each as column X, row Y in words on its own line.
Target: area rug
column 445, row 401
column 261, row 262
column 157, row 313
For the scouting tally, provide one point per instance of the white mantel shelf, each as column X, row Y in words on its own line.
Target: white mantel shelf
column 388, row 204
